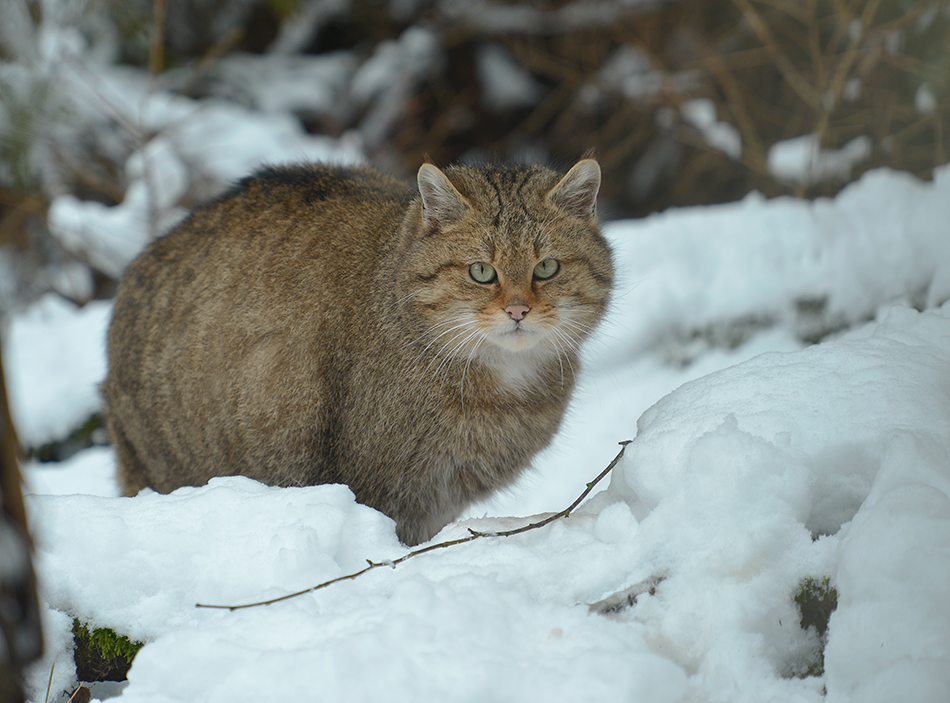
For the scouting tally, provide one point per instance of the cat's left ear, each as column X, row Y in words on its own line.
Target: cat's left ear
column 441, row 201
column 577, row 190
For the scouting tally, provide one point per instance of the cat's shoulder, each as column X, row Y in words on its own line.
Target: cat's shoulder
column 314, row 182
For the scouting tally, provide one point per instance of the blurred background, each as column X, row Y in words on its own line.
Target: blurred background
column 685, row 102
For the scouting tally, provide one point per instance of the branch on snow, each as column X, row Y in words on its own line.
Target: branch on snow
column 441, row 545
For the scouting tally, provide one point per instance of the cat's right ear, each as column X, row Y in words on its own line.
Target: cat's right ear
column 441, row 202
column 577, row 190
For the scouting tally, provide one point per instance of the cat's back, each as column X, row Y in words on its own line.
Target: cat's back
column 278, row 236
column 281, row 205
column 269, row 262
column 250, row 286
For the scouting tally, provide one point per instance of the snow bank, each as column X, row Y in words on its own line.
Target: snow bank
column 821, row 264
column 450, row 628
column 733, row 475
column 729, row 482
column 890, row 636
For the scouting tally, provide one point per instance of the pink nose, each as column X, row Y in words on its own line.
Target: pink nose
column 517, row 312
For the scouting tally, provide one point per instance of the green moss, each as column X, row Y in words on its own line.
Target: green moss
column 816, row 600
column 101, row 654
column 81, row 438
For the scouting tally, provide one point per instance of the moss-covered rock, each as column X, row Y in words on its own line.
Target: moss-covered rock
column 816, row 601
column 101, row 654
column 92, row 432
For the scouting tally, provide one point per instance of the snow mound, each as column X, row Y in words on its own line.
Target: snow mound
column 832, row 461
column 829, row 462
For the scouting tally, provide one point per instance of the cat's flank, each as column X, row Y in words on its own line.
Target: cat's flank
column 320, row 324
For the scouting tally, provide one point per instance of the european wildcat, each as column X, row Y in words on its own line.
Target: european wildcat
column 321, row 324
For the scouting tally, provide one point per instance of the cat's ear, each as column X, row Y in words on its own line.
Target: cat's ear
column 577, row 190
column 441, row 202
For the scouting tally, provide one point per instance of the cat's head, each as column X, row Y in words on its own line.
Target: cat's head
column 506, row 260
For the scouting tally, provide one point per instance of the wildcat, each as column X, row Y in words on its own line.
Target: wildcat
column 321, row 324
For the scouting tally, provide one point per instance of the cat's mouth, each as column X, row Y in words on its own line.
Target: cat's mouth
column 517, row 336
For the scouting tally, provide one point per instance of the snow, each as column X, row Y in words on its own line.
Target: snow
column 802, row 159
column 54, row 353
column 283, row 82
column 839, row 440
column 701, row 114
column 505, row 84
column 89, row 472
column 181, row 144
column 878, row 240
column 758, row 461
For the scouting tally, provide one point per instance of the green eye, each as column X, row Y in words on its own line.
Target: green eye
column 483, row 273
column 546, row 269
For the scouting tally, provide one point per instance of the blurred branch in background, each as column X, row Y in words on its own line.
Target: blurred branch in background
column 685, row 102
column 827, row 73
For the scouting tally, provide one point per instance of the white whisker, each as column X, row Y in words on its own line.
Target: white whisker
column 459, row 323
column 399, row 303
column 575, row 328
column 448, row 352
column 482, row 336
column 453, row 353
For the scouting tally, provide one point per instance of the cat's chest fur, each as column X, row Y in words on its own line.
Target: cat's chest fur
column 322, row 324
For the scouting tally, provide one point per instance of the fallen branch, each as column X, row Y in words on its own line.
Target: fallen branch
column 473, row 535
column 611, row 605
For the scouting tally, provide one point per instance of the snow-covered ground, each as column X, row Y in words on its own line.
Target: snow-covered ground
column 757, row 462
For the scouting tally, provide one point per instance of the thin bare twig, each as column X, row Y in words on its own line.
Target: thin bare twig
column 156, row 50
column 210, row 57
column 440, row 545
column 844, row 68
column 786, row 67
column 754, row 152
